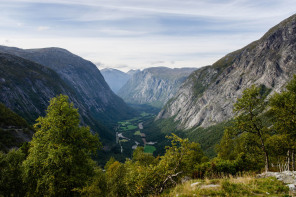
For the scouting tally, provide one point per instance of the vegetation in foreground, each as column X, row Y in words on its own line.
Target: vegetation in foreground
column 58, row 161
column 246, row 185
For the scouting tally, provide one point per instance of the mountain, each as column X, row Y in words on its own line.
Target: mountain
column 26, row 88
column 14, row 130
column 154, row 86
column 132, row 71
column 207, row 96
column 83, row 77
column 115, row 78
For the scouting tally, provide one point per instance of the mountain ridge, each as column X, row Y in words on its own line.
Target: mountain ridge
column 154, row 86
column 84, row 78
column 207, row 96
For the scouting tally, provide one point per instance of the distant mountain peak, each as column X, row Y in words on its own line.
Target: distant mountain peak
column 154, row 86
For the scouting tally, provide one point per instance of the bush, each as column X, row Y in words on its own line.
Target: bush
column 216, row 168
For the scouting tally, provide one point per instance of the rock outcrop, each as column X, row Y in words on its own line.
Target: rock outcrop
column 208, row 94
column 154, row 86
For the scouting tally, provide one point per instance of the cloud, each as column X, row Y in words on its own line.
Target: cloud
column 43, row 28
column 141, row 33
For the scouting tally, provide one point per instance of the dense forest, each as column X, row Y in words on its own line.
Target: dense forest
column 59, row 159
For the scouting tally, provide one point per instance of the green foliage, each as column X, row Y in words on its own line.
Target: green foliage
column 143, row 158
column 59, row 161
column 9, row 118
column 9, row 123
column 146, row 175
column 232, row 187
column 137, row 133
column 97, row 186
column 248, row 129
column 115, row 183
column 208, row 137
column 11, row 183
column 149, row 149
column 218, row 168
column 283, row 107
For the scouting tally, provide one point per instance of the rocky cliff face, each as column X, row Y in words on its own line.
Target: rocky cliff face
column 154, row 86
column 26, row 87
column 208, row 95
column 83, row 77
column 115, row 78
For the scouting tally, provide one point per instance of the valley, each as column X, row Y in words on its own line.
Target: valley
column 69, row 128
column 129, row 134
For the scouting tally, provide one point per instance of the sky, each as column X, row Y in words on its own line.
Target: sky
column 136, row 34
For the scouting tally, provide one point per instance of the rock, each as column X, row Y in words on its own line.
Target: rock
column 194, row 184
column 288, row 177
column 154, row 86
column 185, row 178
column 209, row 186
column 208, row 95
column 33, row 76
column 292, row 187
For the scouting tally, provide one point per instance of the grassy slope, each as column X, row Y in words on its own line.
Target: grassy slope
column 238, row 186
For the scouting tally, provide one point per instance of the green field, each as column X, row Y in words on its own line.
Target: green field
column 149, row 149
column 143, row 114
column 131, row 127
column 137, row 133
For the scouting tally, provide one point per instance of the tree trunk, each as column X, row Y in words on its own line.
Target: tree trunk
column 266, row 161
column 293, row 160
column 265, row 153
column 288, row 160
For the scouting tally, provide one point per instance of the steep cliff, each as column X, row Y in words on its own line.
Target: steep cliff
column 208, row 95
column 26, row 87
column 83, row 77
column 154, row 86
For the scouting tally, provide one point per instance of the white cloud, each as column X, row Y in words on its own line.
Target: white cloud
column 43, row 28
column 142, row 33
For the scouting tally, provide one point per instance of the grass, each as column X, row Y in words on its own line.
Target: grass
column 137, row 133
column 149, row 149
column 131, row 127
column 246, row 185
column 143, row 114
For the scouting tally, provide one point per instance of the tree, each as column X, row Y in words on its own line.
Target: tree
column 249, row 109
column 11, row 183
column 178, row 161
column 59, row 161
column 115, row 179
column 283, row 108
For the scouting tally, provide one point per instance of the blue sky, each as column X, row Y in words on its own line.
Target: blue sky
column 129, row 34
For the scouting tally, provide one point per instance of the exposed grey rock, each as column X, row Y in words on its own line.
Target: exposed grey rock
column 287, row 177
column 154, row 86
column 194, row 184
column 208, row 94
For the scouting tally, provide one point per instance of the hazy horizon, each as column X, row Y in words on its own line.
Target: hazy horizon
column 140, row 34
